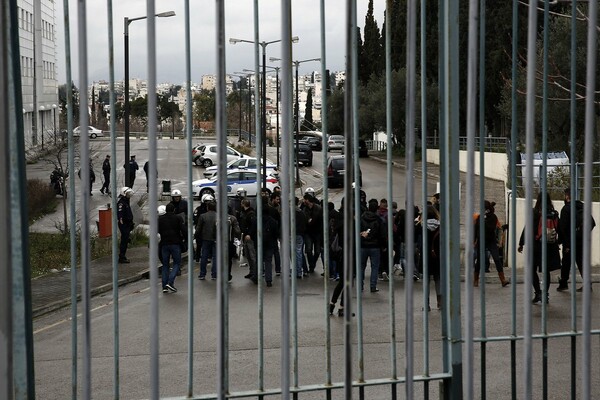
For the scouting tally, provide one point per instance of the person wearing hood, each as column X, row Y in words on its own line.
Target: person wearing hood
column 125, row 221
column 564, row 230
column 433, row 251
column 372, row 240
column 171, row 230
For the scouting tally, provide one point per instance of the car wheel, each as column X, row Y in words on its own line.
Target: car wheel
column 93, row 136
column 197, row 161
column 207, row 163
column 309, row 164
column 206, row 191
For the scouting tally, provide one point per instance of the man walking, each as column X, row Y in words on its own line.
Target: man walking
column 314, row 231
column 133, row 167
column 170, row 228
column 564, row 229
column 207, row 226
column 248, row 227
column 106, row 173
column 125, row 222
column 371, row 240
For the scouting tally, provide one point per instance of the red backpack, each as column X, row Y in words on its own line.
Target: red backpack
column 551, row 228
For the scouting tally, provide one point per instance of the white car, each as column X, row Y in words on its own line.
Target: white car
column 237, row 178
column 206, row 155
column 93, row 133
column 248, row 163
column 336, row 142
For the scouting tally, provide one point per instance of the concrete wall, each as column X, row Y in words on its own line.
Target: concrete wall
column 497, row 168
column 522, row 209
column 496, row 164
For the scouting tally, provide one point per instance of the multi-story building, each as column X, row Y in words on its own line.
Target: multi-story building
column 37, row 39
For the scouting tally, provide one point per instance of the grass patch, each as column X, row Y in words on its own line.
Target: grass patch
column 41, row 199
column 53, row 250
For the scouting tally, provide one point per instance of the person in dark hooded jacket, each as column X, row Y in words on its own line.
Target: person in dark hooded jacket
column 490, row 223
column 372, row 240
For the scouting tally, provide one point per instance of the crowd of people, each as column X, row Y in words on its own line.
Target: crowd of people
column 242, row 239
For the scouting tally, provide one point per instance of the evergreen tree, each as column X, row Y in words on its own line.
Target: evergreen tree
column 372, row 52
column 307, row 123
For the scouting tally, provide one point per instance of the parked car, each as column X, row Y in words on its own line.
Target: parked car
column 93, row 132
column 305, row 154
column 336, row 171
column 206, row 155
column 363, row 150
column 314, row 142
column 236, row 179
column 336, row 142
column 248, row 163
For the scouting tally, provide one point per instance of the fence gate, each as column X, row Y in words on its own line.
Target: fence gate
column 444, row 69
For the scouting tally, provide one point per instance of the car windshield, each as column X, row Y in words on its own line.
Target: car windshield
column 337, row 163
column 336, row 137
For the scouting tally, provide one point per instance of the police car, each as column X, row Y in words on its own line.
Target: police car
column 236, row 179
column 246, row 162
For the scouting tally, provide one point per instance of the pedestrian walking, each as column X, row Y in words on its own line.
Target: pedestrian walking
column 565, row 239
column 92, row 176
column 133, row 167
column 207, row 226
column 146, row 167
column 549, row 222
column 125, row 222
column 106, row 173
column 249, row 232
column 371, row 241
column 492, row 234
column 170, row 228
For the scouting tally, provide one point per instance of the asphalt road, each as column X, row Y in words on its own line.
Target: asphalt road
column 52, row 336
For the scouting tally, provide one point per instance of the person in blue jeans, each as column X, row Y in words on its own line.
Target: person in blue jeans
column 372, row 241
column 207, row 226
column 172, row 232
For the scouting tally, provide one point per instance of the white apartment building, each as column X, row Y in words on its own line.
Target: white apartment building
column 37, row 39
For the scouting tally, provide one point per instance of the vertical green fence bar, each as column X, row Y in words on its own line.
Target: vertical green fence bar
column 84, row 153
column 468, row 264
column 451, row 204
column 530, row 134
column 113, row 202
column 590, row 134
column 6, row 286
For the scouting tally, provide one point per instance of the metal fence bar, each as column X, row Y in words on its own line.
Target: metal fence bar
column 190, row 208
column 7, row 365
column 326, row 224
column 153, row 203
column 590, row 132
column 222, row 215
column 513, row 200
column 469, row 206
column 113, row 201
column 390, row 217
column 529, row 132
column 288, row 206
column 85, row 204
column 411, row 44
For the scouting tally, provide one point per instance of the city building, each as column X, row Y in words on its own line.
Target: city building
column 37, row 39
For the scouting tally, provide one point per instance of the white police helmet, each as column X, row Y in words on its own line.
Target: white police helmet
column 176, row 193
column 241, row 192
column 207, row 198
column 162, row 210
column 310, row 191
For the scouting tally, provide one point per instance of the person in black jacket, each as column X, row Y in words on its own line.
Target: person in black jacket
column 301, row 222
column 372, row 240
column 552, row 249
column 125, row 221
column 564, row 230
column 248, row 227
column 106, row 173
column 170, row 228
column 490, row 221
column 133, row 168
column 314, row 231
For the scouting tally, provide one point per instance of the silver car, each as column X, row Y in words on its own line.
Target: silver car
column 93, row 133
column 336, row 142
column 206, row 155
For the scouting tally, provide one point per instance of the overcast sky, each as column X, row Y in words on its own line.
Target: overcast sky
column 171, row 40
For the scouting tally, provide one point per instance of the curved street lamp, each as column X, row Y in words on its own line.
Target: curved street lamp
column 126, row 110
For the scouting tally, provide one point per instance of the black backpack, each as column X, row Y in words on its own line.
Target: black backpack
column 271, row 228
column 579, row 221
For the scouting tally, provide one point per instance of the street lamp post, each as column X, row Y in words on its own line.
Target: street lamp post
column 54, row 121
column 42, row 109
column 297, row 65
column 126, row 110
column 247, row 75
column 264, row 45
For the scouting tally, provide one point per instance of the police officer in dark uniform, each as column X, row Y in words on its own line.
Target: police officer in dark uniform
column 125, row 217
column 106, row 173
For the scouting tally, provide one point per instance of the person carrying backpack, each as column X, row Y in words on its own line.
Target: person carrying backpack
column 550, row 223
column 565, row 238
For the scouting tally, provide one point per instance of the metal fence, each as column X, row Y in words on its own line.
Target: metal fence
column 450, row 370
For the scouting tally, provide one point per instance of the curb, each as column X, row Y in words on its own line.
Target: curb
column 398, row 165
